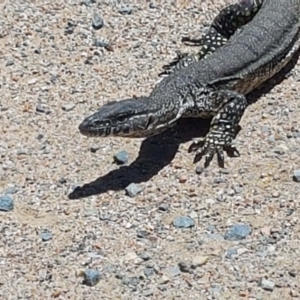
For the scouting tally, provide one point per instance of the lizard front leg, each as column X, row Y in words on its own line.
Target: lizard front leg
column 225, row 24
column 223, row 128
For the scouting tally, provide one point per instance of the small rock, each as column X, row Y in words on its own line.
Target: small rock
column 293, row 273
column 148, row 271
column 133, row 190
column 182, row 179
column 211, row 228
column 183, row 222
column 148, row 293
column 32, row 81
column 62, row 180
column 135, row 280
column 6, row 203
column 199, row 170
column 267, row 285
column 174, row 271
column 97, row 21
column 145, row 256
column 184, row 267
column 125, row 280
column 94, row 148
column 193, row 215
column 296, row 176
column 237, row 232
column 164, row 279
column 163, row 207
column 237, row 189
column 121, row 157
column 231, row 252
column 91, row 277
column 142, row 234
column 68, row 106
column 199, row 261
column 46, row 235
column 90, row 212
column 69, row 29
column 100, row 43
column 40, row 136
column 9, row 63
column 42, row 109
column 126, row 10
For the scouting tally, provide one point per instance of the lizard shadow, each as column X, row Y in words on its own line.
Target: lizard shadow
column 158, row 151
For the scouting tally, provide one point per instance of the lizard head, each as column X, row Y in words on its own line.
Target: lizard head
column 125, row 118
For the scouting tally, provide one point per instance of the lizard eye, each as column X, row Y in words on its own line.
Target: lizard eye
column 121, row 118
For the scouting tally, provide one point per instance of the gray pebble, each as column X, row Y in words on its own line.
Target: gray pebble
column 87, row 2
column 42, row 109
column 296, row 176
column 148, row 271
column 238, row 189
column 105, row 217
column 218, row 180
column 163, row 207
column 126, row 10
column 94, row 148
column 91, row 277
column 133, row 189
column 40, row 136
column 125, row 280
column 68, row 106
column 9, row 63
column 121, row 157
column 183, row 222
column 46, row 235
column 184, row 267
column 211, row 228
column 231, row 252
column 100, row 43
column 69, row 29
column 293, row 273
column 111, row 269
column 62, row 180
column 237, row 232
column 6, row 203
column 267, row 285
column 174, row 271
column 148, row 293
column 135, row 280
column 142, row 234
column 199, row 170
column 145, row 256
column 97, row 21
column 90, row 212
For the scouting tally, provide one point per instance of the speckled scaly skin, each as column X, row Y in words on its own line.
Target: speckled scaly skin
column 226, row 23
column 214, row 87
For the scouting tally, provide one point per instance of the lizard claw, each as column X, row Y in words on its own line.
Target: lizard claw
column 206, row 147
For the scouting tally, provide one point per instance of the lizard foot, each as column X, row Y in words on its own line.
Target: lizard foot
column 209, row 146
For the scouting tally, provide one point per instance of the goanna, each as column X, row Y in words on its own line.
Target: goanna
column 214, row 87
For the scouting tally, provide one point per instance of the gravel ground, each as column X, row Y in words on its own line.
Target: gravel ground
column 71, row 228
